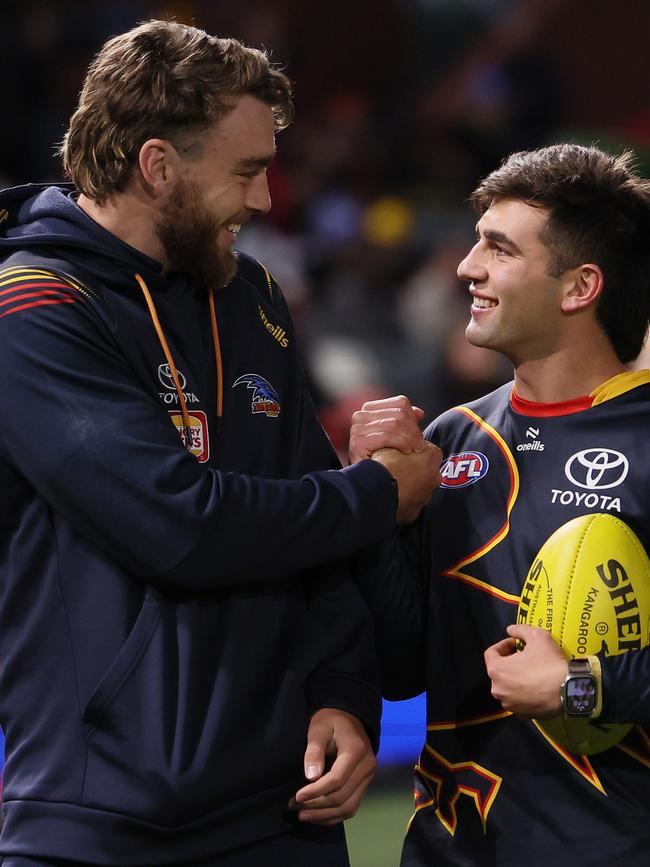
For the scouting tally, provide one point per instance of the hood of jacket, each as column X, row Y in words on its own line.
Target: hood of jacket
column 47, row 220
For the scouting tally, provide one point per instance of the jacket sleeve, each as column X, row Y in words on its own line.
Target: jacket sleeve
column 394, row 579
column 388, row 576
column 90, row 439
column 626, row 687
column 348, row 679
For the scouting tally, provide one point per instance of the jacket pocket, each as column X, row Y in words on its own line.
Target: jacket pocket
column 127, row 660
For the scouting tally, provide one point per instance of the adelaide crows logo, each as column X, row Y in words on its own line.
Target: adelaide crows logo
column 265, row 398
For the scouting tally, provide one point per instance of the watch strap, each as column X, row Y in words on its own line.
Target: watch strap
column 596, row 670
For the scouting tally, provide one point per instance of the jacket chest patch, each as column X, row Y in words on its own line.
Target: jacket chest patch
column 264, row 399
column 195, row 439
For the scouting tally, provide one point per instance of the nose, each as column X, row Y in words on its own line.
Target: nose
column 471, row 269
column 258, row 198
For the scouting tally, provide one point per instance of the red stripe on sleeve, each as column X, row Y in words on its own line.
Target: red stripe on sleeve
column 38, row 304
column 49, row 284
column 33, row 295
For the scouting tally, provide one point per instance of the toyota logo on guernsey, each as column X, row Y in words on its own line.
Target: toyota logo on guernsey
column 593, row 470
column 597, row 469
column 463, row 469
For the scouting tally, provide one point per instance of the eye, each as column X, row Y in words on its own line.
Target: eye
column 251, row 174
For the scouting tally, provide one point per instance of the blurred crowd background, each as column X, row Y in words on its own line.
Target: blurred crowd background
column 402, row 106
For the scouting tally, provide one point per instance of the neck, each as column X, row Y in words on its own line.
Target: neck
column 130, row 219
column 569, row 373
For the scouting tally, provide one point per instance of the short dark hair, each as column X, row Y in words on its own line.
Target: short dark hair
column 165, row 80
column 599, row 212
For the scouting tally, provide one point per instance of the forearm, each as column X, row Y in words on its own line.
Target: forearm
column 396, row 599
column 325, row 515
column 348, row 678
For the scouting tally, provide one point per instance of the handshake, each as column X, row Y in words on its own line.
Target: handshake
column 388, row 431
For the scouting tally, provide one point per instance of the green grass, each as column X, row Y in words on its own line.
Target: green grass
column 376, row 833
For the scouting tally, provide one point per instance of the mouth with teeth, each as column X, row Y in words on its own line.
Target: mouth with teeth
column 229, row 232
column 483, row 303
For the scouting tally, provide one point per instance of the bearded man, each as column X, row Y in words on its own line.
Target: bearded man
column 188, row 674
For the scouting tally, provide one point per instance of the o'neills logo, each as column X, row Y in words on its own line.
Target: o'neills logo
column 626, row 608
column 531, row 447
column 274, row 330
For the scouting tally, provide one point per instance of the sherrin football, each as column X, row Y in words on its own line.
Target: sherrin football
column 590, row 587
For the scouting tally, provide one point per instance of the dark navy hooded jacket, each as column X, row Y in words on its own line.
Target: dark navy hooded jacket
column 168, row 621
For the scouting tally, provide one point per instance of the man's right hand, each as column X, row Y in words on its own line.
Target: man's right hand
column 389, row 423
column 417, row 476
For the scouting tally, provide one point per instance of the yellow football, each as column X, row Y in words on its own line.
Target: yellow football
column 589, row 586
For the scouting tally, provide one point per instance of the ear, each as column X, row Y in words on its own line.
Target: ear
column 159, row 166
column 583, row 287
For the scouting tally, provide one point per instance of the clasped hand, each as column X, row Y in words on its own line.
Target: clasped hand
column 388, row 431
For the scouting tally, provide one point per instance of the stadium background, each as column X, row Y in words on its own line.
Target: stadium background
column 402, row 105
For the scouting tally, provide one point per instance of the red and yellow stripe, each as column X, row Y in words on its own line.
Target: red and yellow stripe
column 455, row 571
column 23, row 288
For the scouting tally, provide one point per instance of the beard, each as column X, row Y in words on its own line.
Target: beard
column 188, row 233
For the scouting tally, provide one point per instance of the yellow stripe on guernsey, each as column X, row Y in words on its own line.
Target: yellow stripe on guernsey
column 619, row 384
column 455, row 570
column 470, row 721
column 643, row 740
column 579, row 763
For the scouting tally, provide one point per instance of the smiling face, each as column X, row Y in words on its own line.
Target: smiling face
column 215, row 192
column 516, row 307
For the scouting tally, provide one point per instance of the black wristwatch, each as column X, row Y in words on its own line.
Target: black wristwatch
column 580, row 692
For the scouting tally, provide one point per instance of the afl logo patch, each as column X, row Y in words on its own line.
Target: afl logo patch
column 463, row 469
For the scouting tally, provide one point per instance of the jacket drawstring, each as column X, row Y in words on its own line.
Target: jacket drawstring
column 187, row 427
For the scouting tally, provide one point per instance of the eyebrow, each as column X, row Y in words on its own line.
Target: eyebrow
column 499, row 238
column 250, row 163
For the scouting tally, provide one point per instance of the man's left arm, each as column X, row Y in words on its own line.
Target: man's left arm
column 344, row 701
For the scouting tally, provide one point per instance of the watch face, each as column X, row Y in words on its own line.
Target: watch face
column 580, row 695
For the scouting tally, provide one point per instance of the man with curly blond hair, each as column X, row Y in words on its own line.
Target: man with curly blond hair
column 188, row 670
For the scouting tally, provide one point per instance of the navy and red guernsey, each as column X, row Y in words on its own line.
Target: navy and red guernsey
column 175, row 601
column 492, row 790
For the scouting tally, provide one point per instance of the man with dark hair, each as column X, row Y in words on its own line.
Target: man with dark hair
column 188, row 675
column 560, row 284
